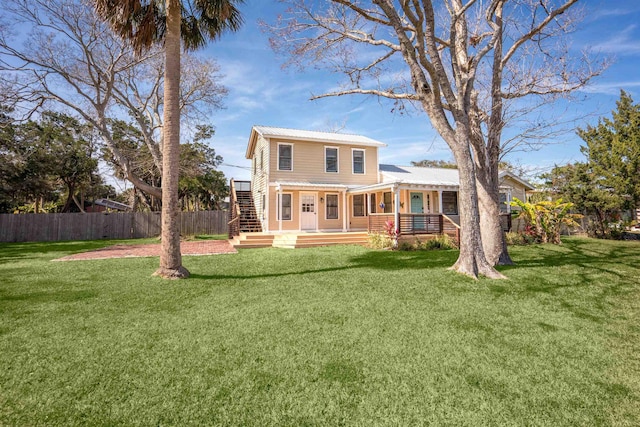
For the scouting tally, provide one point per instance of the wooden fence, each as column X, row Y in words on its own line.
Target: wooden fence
column 55, row 227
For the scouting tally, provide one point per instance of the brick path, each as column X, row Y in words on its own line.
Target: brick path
column 204, row 247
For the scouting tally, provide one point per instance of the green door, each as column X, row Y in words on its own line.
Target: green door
column 417, row 207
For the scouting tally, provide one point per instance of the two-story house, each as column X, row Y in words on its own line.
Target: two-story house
column 307, row 181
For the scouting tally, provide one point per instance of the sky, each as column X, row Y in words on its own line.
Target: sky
column 261, row 92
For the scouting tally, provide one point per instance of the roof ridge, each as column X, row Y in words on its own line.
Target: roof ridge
column 307, row 130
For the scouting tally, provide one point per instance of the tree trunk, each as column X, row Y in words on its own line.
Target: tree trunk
column 472, row 260
column 493, row 239
column 170, row 256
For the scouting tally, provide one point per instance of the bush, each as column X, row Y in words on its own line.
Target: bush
column 380, row 241
column 443, row 242
column 519, row 238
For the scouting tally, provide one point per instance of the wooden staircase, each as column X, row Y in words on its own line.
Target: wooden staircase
column 252, row 240
column 299, row 240
column 249, row 221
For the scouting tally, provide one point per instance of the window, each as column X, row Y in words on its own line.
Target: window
column 358, row 205
column 373, row 203
column 285, row 157
column 332, row 206
column 330, row 159
column 255, row 165
column 450, row 202
column 285, row 207
column 388, row 202
column 358, row 161
column 504, row 203
column 261, row 159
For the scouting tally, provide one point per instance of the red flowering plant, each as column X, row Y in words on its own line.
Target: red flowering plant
column 392, row 232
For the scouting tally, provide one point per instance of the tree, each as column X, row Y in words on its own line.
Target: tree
column 435, row 164
column 613, row 151
column 589, row 194
column 458, row 62
column 47, row 159
column 70, row 61
column 145, row 24
column 201, row 185
column 545, row 218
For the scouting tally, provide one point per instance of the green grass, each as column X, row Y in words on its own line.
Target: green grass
column 322, row 336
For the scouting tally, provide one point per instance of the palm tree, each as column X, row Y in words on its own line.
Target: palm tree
column 193, row 22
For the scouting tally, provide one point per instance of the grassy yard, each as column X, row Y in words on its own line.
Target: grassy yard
column 324, row 336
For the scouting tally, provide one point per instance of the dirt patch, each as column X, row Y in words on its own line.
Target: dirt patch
column 205, row 247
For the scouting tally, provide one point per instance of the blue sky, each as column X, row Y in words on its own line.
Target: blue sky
column 261, row 92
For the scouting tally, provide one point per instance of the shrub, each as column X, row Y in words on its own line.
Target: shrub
column 519, row 238
column 440, row 242
column 380, row 241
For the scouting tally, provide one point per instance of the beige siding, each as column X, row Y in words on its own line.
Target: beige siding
column 292, row 225
column 309, row 164
column 323, row 222
column 259, row 175
column 517, row 190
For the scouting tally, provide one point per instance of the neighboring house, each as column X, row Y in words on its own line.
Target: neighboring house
column 306, row 181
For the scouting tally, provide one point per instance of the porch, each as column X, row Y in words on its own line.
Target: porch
column 416, row 224
column 409, row 224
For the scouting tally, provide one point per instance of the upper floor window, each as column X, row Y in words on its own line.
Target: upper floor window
column 358, row 161
column 330, row 159
column 261, row 159
column 285, row 157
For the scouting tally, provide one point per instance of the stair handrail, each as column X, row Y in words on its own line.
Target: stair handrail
column 234, row 211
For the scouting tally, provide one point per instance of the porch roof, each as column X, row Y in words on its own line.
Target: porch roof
column 435, row 177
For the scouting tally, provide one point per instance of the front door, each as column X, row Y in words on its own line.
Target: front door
column 417, row 207
column 308, row 214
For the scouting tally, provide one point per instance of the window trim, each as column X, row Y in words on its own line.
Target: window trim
column 279, row 205
column 326, row 206
column 353, row 163
column 337, row 159
column 290, row 145
column 364, row 206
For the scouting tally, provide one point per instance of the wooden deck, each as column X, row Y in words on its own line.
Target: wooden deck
column 299, row 240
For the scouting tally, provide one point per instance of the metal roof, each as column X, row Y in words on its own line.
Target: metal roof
column 420, row 175
column 311, row 135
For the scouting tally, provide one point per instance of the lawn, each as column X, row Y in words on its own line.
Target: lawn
column 321, row 336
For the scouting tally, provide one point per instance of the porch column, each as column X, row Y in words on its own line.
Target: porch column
column 439, row 201
column 396, row 206
column 345, row 211
column 278, row 208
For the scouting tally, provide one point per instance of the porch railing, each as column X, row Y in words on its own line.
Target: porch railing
column 416, row 224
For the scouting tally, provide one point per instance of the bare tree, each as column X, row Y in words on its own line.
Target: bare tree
column 458, row 62
column 70, row 60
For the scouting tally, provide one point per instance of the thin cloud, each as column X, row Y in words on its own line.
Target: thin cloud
column 608, row 13
column 610, row 88
column 623, row 43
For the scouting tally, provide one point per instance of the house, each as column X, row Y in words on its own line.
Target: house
column 307, row 181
